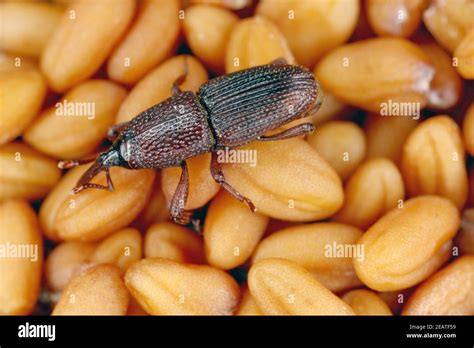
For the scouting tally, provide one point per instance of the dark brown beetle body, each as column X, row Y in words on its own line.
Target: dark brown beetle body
column 228, row 111
column 167, row 134
column 247, row 104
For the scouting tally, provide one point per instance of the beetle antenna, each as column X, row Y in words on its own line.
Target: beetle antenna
column 84, row 181
column 86, row 186
column 66, row 164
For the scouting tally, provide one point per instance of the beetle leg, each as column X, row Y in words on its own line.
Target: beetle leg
column 295, row 131
column 178, row 202
column 218, row 175
column 181, row 78
column 114, row 131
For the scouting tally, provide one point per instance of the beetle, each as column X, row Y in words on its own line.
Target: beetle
column 228, row 111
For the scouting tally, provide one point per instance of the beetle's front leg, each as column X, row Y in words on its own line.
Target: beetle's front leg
column 218, row 175
column 114, row 131
column 295, row 131
column 178, row 202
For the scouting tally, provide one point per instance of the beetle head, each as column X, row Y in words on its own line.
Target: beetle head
column 103, row 162
column 110, row 158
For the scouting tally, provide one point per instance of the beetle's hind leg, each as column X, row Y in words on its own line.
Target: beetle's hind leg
column 178, row 202
column 295, row 131
column 218, row 175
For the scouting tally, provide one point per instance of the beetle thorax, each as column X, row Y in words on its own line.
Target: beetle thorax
column 130, row 152
column 125, row 150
